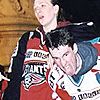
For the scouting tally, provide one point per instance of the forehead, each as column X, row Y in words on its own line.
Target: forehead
column 60, row 50
column 41, row 1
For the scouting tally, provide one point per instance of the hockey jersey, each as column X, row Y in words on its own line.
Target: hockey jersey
column 83, row 86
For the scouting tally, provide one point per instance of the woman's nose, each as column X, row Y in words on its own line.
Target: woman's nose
column 38, row 10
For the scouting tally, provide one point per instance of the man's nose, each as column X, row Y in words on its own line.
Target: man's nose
column 63, row 62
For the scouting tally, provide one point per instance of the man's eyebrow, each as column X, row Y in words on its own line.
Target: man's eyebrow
column 65, row 53
column 54, row 57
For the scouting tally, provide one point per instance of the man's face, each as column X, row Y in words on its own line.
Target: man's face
column 44, row 11
column 65, row 58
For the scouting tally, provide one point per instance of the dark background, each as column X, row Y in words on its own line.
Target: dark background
column 82, row 10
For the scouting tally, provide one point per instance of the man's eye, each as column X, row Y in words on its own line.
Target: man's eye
column 43, row 5
column 56, row 58
column 66, row 54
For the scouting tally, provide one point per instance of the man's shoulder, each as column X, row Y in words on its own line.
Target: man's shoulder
column 88, row 54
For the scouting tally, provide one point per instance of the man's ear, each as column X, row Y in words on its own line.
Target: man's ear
column 56, row 8
column 75, row 48
column 50, row 62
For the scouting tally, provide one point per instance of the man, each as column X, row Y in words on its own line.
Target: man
column 74, row 67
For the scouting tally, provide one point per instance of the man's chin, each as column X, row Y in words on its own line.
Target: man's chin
column 70, row 74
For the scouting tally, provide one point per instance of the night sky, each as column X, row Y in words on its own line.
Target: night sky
column 82, row 10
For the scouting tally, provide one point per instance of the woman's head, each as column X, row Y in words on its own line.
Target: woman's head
column 48, row 11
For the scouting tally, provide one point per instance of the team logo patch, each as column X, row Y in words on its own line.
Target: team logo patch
column 34, row 75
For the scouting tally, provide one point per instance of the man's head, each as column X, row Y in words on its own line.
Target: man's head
column 48, row 11
column 63, row 49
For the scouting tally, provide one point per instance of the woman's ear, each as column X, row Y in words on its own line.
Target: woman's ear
column 75, row 48
column 56, row 8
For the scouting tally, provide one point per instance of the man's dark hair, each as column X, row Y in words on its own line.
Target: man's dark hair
column 58, row 37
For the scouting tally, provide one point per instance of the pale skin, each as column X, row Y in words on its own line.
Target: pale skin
column 65, row 58
column 46, row 13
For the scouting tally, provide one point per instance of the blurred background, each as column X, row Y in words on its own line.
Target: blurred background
column 82, row 10
column 17, row 17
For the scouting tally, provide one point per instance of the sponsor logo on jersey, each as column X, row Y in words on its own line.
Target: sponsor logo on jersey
column 36, row 55
column 88, row 95
column 54, row 76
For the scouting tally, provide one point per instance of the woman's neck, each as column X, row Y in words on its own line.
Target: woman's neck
column 50, row 26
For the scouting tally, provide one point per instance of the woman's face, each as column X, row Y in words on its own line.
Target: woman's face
column 44, row 11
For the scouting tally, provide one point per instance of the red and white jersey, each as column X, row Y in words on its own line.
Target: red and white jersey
column 87, row 87
column 34, row 85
